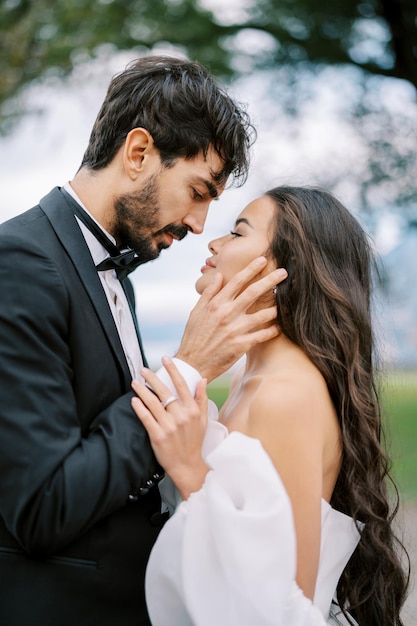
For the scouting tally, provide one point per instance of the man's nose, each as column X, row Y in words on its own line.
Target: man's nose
column 196, row 219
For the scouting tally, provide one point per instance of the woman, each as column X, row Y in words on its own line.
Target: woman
column 308, row 396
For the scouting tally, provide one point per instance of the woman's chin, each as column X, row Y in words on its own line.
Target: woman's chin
column 201, row 284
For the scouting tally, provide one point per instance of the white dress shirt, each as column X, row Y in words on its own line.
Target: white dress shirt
column 116, row 297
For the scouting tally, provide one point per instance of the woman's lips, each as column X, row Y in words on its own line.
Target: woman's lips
column 208, row 266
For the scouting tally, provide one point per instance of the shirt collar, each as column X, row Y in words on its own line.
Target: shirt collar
column 97, row 250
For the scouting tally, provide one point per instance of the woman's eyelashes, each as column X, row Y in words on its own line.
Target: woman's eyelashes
column 235, row 234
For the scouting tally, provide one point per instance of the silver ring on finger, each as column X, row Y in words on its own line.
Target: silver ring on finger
column 168, row 401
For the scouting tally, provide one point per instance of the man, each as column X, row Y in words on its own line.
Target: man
column 79, row 507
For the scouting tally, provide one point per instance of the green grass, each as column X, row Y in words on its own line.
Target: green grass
column 399, row 402
column 217, row 391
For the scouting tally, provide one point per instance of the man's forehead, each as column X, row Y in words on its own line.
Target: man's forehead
column 207, row 170
column 213, row 162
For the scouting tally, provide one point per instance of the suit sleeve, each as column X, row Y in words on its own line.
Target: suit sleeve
column 55, row 480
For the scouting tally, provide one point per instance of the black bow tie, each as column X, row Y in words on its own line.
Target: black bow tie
column 122, row 262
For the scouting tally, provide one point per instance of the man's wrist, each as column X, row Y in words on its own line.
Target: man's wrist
column 191, row 376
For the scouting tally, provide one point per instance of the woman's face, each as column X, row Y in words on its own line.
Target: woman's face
column 249, row 239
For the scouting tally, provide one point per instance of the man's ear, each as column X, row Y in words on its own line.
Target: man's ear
column 138, row 148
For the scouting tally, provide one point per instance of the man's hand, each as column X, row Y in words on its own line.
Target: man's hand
column 220, row 329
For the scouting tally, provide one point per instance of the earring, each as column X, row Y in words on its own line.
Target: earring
column 275, row 290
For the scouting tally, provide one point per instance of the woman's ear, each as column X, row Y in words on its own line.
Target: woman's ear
column 138, row 149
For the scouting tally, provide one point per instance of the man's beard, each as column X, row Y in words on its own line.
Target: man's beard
column 137, row 220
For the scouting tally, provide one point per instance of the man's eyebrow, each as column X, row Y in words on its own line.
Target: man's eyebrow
column 211, row 188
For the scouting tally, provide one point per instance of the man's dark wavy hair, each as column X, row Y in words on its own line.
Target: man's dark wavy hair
column 184, row 110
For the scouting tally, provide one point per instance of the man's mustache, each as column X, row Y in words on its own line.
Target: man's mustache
column 179, row 231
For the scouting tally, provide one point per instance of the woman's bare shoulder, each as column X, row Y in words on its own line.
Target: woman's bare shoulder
column 289, row 394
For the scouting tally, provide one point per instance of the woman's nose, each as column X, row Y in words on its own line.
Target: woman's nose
column 213, row 246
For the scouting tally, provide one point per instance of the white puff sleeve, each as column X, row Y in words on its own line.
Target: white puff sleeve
column 228, row 555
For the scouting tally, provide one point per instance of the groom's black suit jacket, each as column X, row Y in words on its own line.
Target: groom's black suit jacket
column 76, row 516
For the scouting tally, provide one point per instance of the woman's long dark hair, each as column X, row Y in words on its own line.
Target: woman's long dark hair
column 324, row 307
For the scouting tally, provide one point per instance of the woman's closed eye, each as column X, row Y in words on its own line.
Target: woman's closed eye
column 235, row 234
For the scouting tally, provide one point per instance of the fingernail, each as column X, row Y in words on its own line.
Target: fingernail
column 166, row 359
column 260, row 260
column 281, row 272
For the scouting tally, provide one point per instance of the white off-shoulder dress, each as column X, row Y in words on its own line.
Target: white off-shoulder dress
column 227, row 557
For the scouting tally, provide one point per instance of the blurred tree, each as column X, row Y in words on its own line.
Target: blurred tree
column 44, row 38
column 379, row 36
column 41, row 40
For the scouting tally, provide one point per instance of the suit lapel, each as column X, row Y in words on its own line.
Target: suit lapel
column 59, row 213
column 130, row 297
